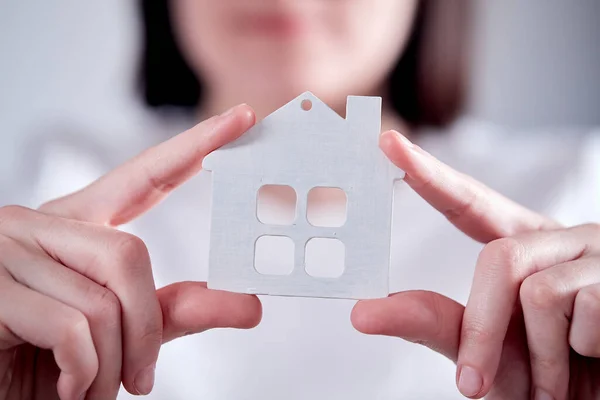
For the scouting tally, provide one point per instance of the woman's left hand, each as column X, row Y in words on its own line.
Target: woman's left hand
column 531, row 326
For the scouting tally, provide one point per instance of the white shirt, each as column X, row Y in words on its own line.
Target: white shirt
column 307, row 348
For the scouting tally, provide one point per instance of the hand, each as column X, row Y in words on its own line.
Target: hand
column 531, row 326
column 79, row 312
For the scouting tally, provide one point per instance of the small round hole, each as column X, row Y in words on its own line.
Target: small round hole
column 306, row 104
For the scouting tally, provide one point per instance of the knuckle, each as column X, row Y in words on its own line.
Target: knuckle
column 173, row 312
column 544, row 363
column 156, row 182
column 434, row 314
column 76, row 329
column 474, row 333
column 129, row 251
column 541, row 291
column 594, row 229
column 6, row 244
column 594, row 226
column 152, row 333
column 454, row 214
column 430, row 314
column 587, row 302
column 105, row 308
column 504, row 256
column 11, row 249
column 48, row 207
column 506, row 251
column 12, row 212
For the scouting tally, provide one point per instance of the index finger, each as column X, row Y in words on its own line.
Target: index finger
column 475, row 209
column 134, row 187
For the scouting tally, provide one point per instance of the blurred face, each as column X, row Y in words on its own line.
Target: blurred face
column 272, row 50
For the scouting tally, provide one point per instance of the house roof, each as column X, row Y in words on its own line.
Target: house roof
column 299, row 141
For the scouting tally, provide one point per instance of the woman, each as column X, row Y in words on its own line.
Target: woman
column 79, row 313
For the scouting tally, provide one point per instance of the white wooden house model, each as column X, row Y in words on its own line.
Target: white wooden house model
column 304, row 145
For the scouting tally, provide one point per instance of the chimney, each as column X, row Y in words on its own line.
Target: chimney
column 363, row 115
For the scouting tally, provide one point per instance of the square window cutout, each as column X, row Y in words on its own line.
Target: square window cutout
column 326, row 207
column 274, row 255
column 325, row 258
column 276, row 205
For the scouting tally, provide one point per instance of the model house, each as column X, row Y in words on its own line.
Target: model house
column 304, row 146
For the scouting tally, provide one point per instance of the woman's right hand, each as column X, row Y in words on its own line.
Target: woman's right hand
column 79, row 313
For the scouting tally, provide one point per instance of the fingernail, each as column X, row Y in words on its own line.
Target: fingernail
column 541, row 394
column 404, row 139
column 470, row 381
column 229, row 112
column 144, row 380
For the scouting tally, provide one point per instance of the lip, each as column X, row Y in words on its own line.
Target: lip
column 272, row 25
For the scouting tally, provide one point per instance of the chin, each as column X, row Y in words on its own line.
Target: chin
column 288, row 80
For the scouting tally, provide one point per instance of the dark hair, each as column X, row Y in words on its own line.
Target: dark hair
column 426, row 87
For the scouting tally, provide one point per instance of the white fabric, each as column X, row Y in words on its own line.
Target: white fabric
column 307, row 348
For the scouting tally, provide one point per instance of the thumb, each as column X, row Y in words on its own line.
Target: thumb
column 189, row 307
column 422, row 317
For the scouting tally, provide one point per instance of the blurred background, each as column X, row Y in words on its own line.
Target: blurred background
column 536, row 63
